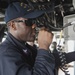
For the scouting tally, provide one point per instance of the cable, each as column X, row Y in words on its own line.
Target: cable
column 62, row 57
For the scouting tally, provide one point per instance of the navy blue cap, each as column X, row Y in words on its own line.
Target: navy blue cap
column 17, row 9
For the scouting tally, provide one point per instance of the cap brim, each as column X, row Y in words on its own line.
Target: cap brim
column 34, row 14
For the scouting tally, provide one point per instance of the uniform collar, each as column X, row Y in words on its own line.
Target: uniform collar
column 15, row 42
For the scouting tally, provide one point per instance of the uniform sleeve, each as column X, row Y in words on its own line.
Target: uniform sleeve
column 70, row 57
column 44, row 64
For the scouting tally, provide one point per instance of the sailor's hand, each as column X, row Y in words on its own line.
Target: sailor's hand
column 44, row 38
